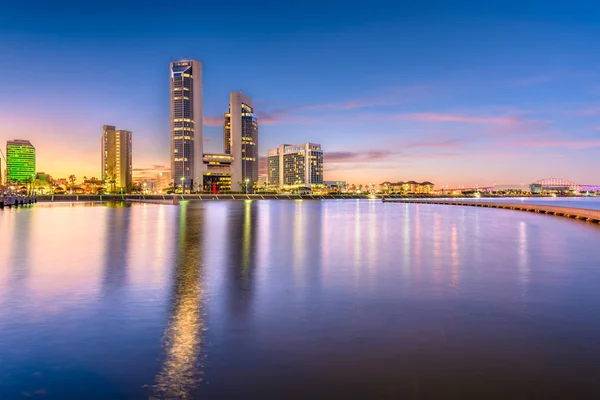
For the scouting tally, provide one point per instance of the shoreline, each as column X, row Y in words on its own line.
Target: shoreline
column 156, row 198
column 582, row 214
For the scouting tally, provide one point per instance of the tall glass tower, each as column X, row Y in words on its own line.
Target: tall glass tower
column 186, row 124
column 241, row 141
column 20, row 161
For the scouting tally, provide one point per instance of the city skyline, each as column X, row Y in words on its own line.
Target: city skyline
column 391, row 95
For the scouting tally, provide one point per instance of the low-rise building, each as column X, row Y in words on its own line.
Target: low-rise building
column 410, row 187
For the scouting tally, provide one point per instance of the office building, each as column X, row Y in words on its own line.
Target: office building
column 295, row 165
column 20, row 161
column 116, row 159
column 217, row 175
column 240, row 137
column 186, row 124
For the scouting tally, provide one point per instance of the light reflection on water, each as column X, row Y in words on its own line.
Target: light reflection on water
column 278, row 299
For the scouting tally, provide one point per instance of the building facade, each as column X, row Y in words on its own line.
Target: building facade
column 295, row 165
column 217, row 178
column 20, row 161
column 410, row 187
column 117, row 159
column 240, row 139
column 186, row 124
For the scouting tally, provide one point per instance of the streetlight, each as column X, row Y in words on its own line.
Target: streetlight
column 246, row 184
column 182, row 185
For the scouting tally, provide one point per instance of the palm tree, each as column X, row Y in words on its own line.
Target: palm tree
column 72, row 179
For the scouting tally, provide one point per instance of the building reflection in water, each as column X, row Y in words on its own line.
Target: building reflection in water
column 523, row 257
column 240, row 265
column 116, row 248
column 182, row 369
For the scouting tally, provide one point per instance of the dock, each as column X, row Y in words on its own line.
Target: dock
column 582, row 214
column 16, row 201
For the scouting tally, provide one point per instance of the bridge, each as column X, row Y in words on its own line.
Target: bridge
column 567, row 212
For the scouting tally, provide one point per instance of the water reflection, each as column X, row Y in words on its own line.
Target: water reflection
column 116, row 249
column 241, row 238
column 182, row 371
column 346, row 299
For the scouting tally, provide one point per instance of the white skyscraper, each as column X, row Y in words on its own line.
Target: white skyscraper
column 186, row 124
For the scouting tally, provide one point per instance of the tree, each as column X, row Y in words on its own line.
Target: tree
column 72, row 179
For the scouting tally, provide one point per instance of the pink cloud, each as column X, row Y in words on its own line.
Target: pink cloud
column 435, row 117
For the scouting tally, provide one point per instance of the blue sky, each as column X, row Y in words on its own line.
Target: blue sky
column 455, row 92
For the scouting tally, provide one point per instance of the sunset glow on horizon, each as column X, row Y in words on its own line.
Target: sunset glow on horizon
column 470, row 96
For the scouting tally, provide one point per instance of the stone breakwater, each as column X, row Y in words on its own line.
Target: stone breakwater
column 567, row 212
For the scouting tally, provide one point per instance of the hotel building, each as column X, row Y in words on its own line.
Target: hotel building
column 240, row 138
column 116, row 159
column 186, row 124
column 295, row 165
column 20, row 161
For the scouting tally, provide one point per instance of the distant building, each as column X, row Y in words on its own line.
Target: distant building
column 262, row 180
column 335, row 186
column 514, row 188
column 536, row 188
column 186, row 123
column 116, row 159
column 299, row 165
column 240, row 139
column 163, row 181
column 20, row 161
column 410, row 187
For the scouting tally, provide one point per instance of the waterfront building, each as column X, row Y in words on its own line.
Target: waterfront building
column 335, row 186
column 410, row 187
column 240, row 139
column 20, row 161
column 218, row 177
column 186, row 124
column 116, row 159
column 299, row 165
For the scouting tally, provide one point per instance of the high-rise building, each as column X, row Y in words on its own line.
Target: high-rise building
column 116, row 159
column 186, row 124
column 295, row 165
column 241, row 141
column 20, row 161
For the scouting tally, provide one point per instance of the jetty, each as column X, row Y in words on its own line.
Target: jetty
column 9, row 200
column 582, row 214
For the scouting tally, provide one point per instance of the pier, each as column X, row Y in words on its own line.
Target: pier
column 16, row 201
column 567, row 212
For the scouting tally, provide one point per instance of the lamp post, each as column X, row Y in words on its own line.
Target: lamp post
column 182, row 185
column 246, row 184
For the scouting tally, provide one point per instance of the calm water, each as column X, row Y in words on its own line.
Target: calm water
column 297, row 299
column 591, row 203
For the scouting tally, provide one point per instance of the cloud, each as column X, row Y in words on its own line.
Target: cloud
column 459, row 118
column 356, row 156
column 306, row 113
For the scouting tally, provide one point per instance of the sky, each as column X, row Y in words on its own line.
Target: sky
column 459, row 93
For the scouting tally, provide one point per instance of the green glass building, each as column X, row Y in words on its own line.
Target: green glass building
column 20, row 161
